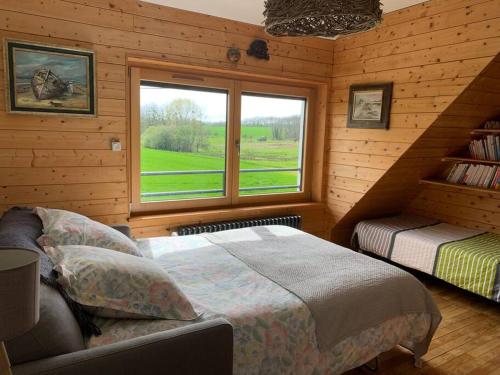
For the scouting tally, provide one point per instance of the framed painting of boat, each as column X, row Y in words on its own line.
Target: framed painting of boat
column 44, row 79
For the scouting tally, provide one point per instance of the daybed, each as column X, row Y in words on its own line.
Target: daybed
column 467, row 258
column 297, row 304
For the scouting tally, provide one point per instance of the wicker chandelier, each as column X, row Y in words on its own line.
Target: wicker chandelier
column 327, row 18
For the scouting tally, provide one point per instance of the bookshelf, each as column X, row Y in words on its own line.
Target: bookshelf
column 472, row 172
column 458, row 186
column 470, row 160
column 485, row 131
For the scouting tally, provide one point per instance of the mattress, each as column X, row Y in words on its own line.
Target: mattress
column 377, row 236
column 418, row 248
column 467, row 258
column 274, row 332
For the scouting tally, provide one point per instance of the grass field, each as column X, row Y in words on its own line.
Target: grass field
column 255, row 154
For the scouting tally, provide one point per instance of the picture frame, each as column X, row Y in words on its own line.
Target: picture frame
column 370, row 106
column 51, row 80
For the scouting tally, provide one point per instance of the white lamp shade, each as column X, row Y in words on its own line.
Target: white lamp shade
column 19, row 292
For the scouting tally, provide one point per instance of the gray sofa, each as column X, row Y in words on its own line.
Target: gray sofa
column 56, row 344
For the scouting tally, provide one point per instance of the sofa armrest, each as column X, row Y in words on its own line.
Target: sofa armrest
column 124, row 229
column 201, row 348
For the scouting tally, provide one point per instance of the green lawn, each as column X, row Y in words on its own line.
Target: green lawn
column 255, row 154
column 284, row 152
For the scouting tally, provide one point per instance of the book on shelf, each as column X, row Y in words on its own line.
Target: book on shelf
column 477, row 175
column 486, row 148
column 492, row 124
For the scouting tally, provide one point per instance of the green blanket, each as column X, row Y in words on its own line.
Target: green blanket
column 472, row 264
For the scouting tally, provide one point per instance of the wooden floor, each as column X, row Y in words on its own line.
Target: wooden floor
column 466, row 342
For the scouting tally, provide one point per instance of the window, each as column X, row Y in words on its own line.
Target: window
column 271, row 144
column 183, row 142
column 200, row 141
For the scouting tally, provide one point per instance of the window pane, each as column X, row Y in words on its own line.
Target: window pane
column 183, row 142
column 271, row 150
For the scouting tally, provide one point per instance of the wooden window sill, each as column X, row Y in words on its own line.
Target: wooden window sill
column 153, row 225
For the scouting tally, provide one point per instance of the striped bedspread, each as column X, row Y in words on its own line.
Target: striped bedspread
column 467, row 258
column 418, row 248
column 472, row 264
column 377, row 236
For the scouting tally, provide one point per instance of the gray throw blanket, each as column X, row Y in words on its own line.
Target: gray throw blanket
column 345, row 291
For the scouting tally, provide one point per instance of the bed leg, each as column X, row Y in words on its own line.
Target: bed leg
column 418, row 362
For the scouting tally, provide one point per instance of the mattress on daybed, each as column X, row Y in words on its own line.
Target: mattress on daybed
column 274, row 331
column 467, row 258
column 377, row 236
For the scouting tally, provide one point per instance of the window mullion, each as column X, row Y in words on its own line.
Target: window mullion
column 234, row 142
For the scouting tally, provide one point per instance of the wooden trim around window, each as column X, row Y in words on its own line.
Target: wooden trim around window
column 196, row 81
column 235, row 83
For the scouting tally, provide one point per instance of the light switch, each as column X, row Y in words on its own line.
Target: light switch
column 116, row 145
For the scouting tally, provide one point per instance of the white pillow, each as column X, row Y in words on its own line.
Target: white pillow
column 114, row 284
column 62, row 227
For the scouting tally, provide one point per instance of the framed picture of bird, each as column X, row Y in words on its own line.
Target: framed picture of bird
column 43, row 79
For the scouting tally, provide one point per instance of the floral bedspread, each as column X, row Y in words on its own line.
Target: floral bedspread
column 274, row 332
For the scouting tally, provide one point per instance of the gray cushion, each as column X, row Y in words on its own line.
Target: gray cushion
column 123, row 229
column 20, row 228
column 57, row 331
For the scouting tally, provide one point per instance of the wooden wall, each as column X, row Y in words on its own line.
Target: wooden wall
column 66, row 162
column 461, row 206
column 432, row 52
column 399, row 188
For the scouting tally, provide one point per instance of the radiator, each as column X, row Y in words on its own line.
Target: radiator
column 290, row 221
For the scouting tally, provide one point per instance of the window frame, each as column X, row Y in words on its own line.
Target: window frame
column 136, row 77
column 235, row 86
column 267, row 89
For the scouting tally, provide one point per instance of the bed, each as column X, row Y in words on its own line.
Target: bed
column 279, row 326
column 465, row 257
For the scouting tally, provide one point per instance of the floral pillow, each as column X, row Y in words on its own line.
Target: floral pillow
column 113, row 284
column 68, row 228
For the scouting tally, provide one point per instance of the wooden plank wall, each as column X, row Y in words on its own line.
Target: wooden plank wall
column 432, row 52
column 66, row 162
column 448, row 135
column 461, row 206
